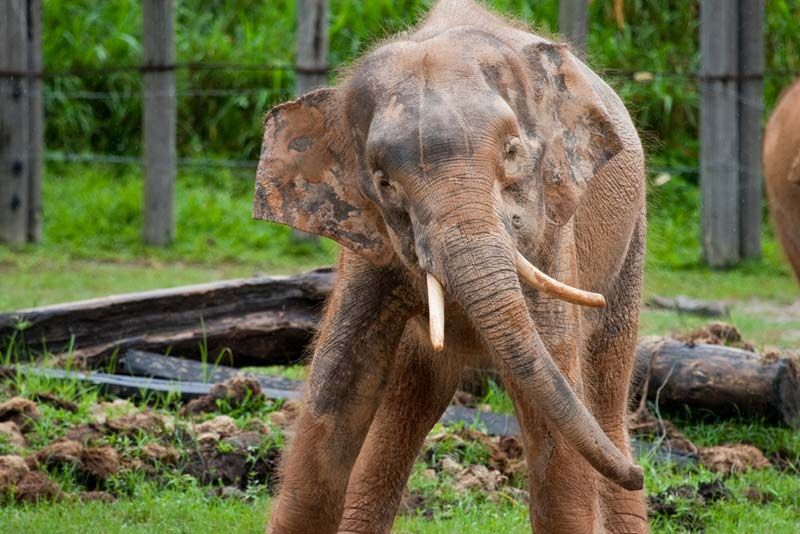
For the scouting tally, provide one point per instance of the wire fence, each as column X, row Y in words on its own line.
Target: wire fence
column 55, row 95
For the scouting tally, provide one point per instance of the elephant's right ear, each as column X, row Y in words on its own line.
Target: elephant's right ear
column 307, row 177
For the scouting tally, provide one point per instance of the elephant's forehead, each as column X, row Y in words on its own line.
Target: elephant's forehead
column 450, row 57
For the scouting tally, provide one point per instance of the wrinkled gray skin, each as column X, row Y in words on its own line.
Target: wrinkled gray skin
column 445, row 151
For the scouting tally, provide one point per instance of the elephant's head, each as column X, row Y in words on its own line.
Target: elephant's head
column 445, row 156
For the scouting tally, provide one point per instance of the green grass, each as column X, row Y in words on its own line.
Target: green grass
column 177, row 503
column 151, row 509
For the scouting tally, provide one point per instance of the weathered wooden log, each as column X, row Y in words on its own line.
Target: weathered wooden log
column 722, row 380
column 260, row 321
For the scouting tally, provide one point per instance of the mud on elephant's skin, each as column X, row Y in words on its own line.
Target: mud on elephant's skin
column 782, row 172
column 476, row 175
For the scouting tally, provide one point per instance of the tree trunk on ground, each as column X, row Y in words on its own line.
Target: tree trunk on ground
column 260, row 321
column 722, row 380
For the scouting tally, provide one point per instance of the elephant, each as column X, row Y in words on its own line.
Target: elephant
column 782, row 172
column 488, row 192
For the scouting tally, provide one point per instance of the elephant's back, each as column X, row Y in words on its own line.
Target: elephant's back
column 782, row 171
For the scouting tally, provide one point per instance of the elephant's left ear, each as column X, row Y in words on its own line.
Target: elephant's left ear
column 307, row 176
column 570, row 118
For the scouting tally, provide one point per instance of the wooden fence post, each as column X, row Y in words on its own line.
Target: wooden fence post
column 312, row 57
column 751, row 109
column 36, row 109
column 573, row 22
column 14, row 122
column 719, row 132
column 159, row 122
column 312, row 45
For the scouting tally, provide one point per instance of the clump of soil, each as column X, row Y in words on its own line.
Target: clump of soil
column 12, row 469
column 717, row 333
column 723, row 459
column 23, row 485
column 505, row 452
column 21, row 411
column 728, row 459
column 214, row 451
column 36, row 486
column 236, row 461
column 58, row 402
column 667, row 503
column 155, row 454
column 147, row 422
column 97, row 496
column 215, row 429
column 11, row 434
column 92, row 465
column 235, row 391
column 288, row 413
column 505, row 463
column 104, row 411
column 86, row 434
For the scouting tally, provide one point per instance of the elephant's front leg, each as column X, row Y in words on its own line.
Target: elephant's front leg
column 420, row 389
column 358, row 338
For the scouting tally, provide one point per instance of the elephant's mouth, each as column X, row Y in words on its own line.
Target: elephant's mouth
column 527, row 272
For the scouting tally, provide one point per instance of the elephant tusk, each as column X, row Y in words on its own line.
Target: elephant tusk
column 553, row 287
column 436, row 312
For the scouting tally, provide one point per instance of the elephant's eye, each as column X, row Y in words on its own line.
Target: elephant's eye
column 381, row 180
column 512, row 148
column 386, row 189
column 512, row 156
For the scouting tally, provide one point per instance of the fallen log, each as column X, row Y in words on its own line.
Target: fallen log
column 261, row 321
column 725, row 381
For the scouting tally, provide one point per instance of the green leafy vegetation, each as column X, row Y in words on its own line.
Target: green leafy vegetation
column 656, row 37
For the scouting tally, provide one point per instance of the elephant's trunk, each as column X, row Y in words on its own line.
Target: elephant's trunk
column 479, row 269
